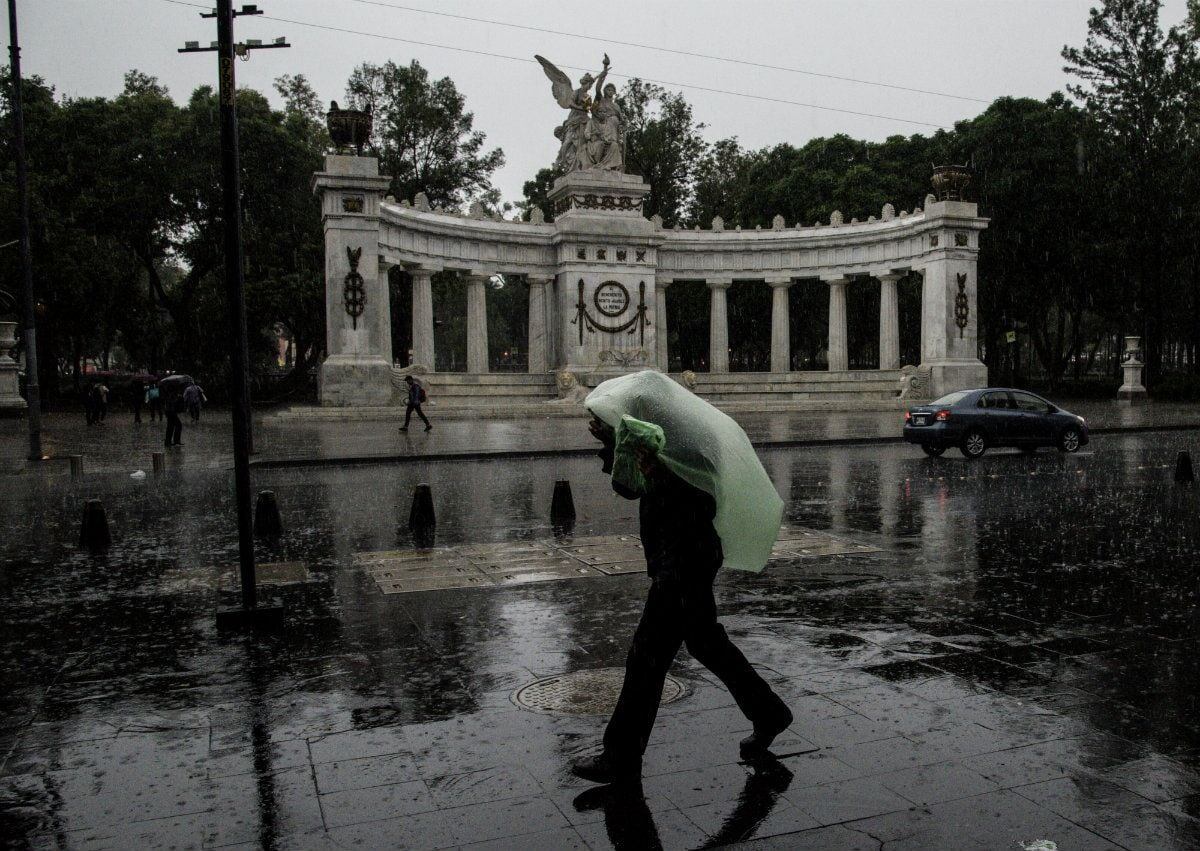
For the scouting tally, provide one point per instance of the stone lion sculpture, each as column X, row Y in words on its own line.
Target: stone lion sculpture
column 570, row 391
column 915, row 382
column 689, row 379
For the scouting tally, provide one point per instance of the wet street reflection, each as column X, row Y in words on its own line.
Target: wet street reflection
column 1011, row 658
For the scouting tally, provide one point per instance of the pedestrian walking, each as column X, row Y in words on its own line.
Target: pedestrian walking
column 91, row 404
column 173, row 406
column 194, row 399
column 137, row 399
column 684, row 550
column 416, row 395
column 154, row 402
column 101, row 401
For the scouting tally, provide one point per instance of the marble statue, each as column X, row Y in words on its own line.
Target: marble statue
column 593, row 135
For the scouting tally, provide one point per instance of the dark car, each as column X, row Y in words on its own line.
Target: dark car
column 974, row 420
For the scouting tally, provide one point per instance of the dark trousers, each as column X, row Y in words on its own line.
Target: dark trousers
column 156, row 412
column 194, row 410
column 408, row 412
column 174, row 429
column 680, row 609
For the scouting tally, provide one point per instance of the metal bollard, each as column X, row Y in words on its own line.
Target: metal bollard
column 160, row 463
column 76, row 466
column 422, row 521
column 93, row 533
column 562, row 504
column 267, row 522
column 1183, row 469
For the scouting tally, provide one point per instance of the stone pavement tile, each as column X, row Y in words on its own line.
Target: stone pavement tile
column 702, row 786
column 1156, row 777
column 749, row 818
column 564, row 790
column 417, row 831
column 844, row 729
column 284, row 801
column 668, row 829
column 183, row 832
column 352, row 744
column 1149, row 827
column 1081, row 798
column 503, row 819
column 886, row 755
column 934, row 784
column 229, row 761
column 364, row 772
column 375, row 802
column 838, row 679
column 845, row 800
column 835, row 837
column 887, row 703
column 478, row 787
column 1027, row 764
column 565, row 838
column 995, row 820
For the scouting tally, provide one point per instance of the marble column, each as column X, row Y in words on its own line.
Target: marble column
column 537, row 325
column 718, row 325
column 661, row 355
column 477, row 330
column 781, row 338
column 889, row 322
column 422, row 318
column 839, row 358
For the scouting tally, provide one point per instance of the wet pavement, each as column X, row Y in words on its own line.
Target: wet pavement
column 1013, row 661
column 119, row 444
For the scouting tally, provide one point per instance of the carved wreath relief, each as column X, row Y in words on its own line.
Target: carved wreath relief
column 611, row 299
column 354, row 291
column 961, row 309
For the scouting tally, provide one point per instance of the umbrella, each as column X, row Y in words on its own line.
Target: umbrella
column 706, row 449
column 145, row 378
column 174, row 382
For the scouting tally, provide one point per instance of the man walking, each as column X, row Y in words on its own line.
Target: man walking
column 173, row 405
column 683, row 554
column 416, row 395
column 194, row 399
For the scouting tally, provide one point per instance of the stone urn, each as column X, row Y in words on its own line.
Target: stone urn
column 1132, row 389
column 348, row 128
column 950, row 182
column 10, row 396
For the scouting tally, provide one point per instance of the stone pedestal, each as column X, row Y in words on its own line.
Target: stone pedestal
column 11, row 401
column 606, row 307
column 949, row 315
column 1131, row 389
column 358, row 331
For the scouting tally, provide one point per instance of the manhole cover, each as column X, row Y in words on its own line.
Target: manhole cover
column 584, row 692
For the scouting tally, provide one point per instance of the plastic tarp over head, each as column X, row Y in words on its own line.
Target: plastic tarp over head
column 706, row 449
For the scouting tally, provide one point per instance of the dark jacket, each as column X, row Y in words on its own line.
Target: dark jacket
column 414, row 393
column 676, row 523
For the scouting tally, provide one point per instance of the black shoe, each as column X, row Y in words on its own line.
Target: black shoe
column 403, row 428
column 603, row 769
column 428, row 428
column 756, row 743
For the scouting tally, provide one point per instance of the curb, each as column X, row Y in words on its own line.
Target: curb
column 510, row 454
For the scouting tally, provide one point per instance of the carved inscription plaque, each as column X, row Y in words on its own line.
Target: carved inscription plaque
column 611, row 298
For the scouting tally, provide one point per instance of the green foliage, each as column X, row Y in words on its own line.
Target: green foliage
column 423, row 135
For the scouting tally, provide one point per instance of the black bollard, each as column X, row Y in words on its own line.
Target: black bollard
column 93, row 533
column 267, row 522
column 422, row 521
column 158, row 459
column 562, row 505
column 1183, row 469
column 76, row 466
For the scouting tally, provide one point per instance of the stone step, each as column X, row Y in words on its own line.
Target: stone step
column 443, row 379
column 800, row 387
column 889, row 376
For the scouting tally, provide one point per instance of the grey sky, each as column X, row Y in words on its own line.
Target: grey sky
column 977, row 48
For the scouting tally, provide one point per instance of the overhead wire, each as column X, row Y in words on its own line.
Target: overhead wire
column 490, row 54
column 659, row 48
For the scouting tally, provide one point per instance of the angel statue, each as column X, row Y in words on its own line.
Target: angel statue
column 588, row 139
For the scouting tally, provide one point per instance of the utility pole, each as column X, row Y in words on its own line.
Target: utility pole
column 33, row 394
column 231, row 191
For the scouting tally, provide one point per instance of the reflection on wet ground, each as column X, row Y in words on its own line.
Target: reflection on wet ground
column 1015, row 662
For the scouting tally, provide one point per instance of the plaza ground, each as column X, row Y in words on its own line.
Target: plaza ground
column 1012, row 661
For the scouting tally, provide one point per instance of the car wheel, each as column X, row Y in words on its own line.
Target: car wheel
column 1069, row 440
column 932, row 451
column 974, row 444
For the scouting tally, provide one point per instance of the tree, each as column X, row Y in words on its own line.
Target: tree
column 664, row 144
column 1131, row 86
column 424, row 136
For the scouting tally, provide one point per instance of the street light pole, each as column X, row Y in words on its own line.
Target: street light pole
column 239, row 358
column 33, row 395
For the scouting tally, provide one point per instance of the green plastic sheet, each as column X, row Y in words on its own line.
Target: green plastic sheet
column 708, row 450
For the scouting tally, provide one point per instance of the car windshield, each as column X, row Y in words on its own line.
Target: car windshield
column 951, row 399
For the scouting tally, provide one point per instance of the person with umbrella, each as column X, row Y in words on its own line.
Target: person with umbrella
column 705, row 502
column 171, row 393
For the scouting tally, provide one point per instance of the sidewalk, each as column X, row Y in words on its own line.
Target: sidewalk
column 118, row 445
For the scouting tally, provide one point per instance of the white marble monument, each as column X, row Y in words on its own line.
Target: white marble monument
column 11, row 400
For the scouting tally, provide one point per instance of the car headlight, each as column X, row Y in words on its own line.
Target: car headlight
column 1082, row 421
